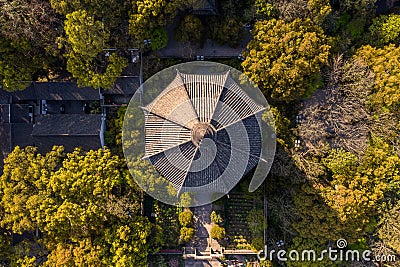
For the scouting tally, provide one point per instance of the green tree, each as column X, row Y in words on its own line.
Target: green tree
column 113, row 14
column 385, row 29
column 85, row 35
column 360, row 7
column 82, row 253
column 256, row 222
column 113, row 134
column 319, row 10
column 88, row 73
column 17, row 64
column 82, row 190
column 128, row 243
column 159, row 38
column 304, row 244
column 352, row 194
column 28, row 32
column 5, row 244
column 284, row 59
column 189, row 29
column 24, row 174
column 158, row 261
column 314, row 218
column 85, row 38
column 351, row 197
column 167, row 231
column 217, row 232
column 27, row 262
column 225, row 31
column 98, row 8
column 264, row 9
column 146, row 15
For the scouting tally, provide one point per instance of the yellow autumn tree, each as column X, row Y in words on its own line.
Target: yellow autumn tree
column 384, row 62
column 284, row 59
column 81, row 202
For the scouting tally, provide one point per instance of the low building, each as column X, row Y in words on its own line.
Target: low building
column 48, row 114
column 70, row 131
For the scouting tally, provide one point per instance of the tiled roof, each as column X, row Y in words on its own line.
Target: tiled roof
column 64, row 91
column 45, row 143
column 21, row 135
column 27, row 94
column 51, row 91
column 67, row 125
column 4, row 113
column 19, row 113
column 68, row 130
column 123, row 86
column 5, row 142
column 204, row 7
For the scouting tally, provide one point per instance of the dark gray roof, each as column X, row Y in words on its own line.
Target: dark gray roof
column 68, row 130
column 64, row 91
column 4, row 96
column 123, row 86
column 4, row 113
column 27, row 94
column 67, row 125
column 204, row 7
column 5, row 142
column 21, row 134
column 51, row 91
column 19, row 113
column 12, row 135
column 45, row 143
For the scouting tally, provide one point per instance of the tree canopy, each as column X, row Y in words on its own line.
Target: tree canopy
column 86, row 59
column 28, row 32
column 384, row 62
column 190, row 29
column 385, row 29
column 217, row 232
column 81, row 202
column 284, row 59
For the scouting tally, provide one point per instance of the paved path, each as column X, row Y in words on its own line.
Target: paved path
column 197, row 263
column 202, row 225
column 202, row 237
column 210, row 48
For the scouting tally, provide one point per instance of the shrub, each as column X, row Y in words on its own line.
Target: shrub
column 190, row 29
column 227, row 31
column 187, row 234
column 256, row 222
column 217, row 232
column 159, row 38
column 216, row 217
column 186, row 218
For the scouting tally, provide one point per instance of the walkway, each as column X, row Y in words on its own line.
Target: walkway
column 203, row 226
column 202, row 239
column 210, row 48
